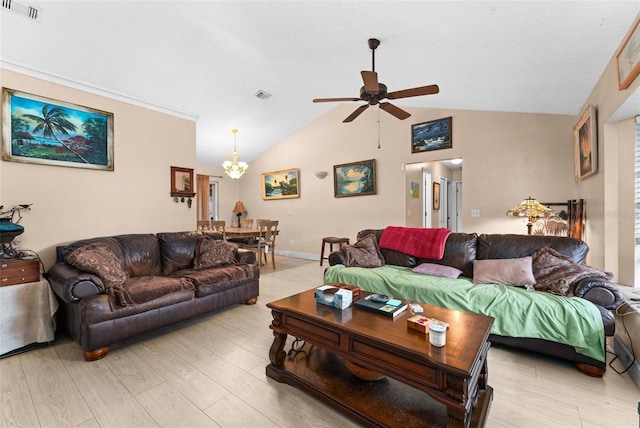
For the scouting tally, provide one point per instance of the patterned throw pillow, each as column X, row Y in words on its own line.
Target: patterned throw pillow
column 518, row 272
column 99, row 259
column 214, row 252
column 364, row 253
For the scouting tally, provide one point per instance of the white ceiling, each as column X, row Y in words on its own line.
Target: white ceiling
column 209, row 58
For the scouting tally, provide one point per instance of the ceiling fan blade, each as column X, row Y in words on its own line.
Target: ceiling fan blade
column 395, row 111
column 356, row 113
column 370, row 79
column 414, row 92
column 330, row 100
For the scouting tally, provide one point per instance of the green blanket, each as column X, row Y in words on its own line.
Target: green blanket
column 518, row 313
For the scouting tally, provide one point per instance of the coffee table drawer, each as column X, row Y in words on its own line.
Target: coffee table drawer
column 312, row 332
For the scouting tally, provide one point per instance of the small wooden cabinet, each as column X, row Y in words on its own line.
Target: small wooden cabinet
column 19, row 271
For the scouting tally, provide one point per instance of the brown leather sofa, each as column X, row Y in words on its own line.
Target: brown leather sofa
column 462, row 249
column 163, row 265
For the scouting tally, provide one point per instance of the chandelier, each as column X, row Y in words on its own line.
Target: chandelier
column 233, row 168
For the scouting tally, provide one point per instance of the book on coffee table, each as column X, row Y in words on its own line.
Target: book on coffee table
column 389, row 307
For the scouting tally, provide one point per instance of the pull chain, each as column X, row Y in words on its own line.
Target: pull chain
column 378, row 126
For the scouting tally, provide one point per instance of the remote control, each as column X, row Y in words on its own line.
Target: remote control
column 415, row 308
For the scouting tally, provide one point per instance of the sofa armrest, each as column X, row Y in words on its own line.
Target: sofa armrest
column 246, row 256
column 72, row 284
column 598, row 291
column 336, row 258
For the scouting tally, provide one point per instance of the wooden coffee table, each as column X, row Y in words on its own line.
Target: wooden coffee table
column 454, row 376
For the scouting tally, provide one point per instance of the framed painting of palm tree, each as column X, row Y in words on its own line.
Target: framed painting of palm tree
column 45, row 131
column 283, row 184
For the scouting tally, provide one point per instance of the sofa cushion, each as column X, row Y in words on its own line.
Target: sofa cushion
column 511, row 246
column 140, row 254
column 143, row 289
column 214, row 252
column 364, row 253
column 177, row 250
column 210, row 281
column 516, row 272
column 100, row 260
column 459, row 252
column 437, row 270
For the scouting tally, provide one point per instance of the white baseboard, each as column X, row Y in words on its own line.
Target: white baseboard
column 298, row 255
column 626, row 358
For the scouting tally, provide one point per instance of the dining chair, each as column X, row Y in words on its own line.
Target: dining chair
column 246, row 222
column 260, row 220
column 266, row 242
column 203, row 225
column 218, row 226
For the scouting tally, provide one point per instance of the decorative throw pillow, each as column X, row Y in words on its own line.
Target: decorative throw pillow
column 214, row 252
column 100, row 260
column 437, row 270
column 516, row 272
column 364, row 253
column 556, row 273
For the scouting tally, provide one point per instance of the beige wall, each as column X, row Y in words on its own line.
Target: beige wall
column 507, row 157
column 75, row 203
column 609, row 194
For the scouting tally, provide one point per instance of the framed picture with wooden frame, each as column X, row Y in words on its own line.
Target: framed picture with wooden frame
column 436, row 196
column 354, row 179
column 585, row 141
column 432, row 135
column 628, row 56
column 51, row 132
column 282, row 184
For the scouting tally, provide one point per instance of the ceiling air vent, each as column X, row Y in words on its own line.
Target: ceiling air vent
column 262, row 95
column 24, row 10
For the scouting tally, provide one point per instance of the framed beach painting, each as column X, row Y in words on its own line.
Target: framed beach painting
column 628, row 56
column 51, row 132
column 432, row 135
column 283, row 184
column 354, row 179
column 585, row 137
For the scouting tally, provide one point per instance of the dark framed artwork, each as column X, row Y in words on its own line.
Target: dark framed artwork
column 585, row 137
column 354, row 179
column 436, row 196
column 283, row 184
column 628, row 56
column 432, row 135
column 51, row 132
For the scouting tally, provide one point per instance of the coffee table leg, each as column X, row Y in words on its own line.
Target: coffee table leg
column 457, row 419
column 276, row 353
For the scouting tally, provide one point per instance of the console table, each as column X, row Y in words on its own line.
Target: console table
column 27, row 315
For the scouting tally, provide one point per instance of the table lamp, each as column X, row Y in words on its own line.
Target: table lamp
column 532, row 209
column 239, row 209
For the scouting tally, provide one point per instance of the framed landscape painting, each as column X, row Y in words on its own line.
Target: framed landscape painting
column 281, row 184
column 45, row 131
column 354, row 179
column 585, row 138
column 433, row 135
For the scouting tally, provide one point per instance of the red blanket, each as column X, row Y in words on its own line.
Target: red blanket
column 418, row 242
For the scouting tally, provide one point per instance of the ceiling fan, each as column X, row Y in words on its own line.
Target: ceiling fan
column 373, row 92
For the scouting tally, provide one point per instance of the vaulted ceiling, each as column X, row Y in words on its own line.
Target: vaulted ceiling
column 208, row 59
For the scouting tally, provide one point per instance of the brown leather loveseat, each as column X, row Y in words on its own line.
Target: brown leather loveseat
column 146, row 281
column 462, row 249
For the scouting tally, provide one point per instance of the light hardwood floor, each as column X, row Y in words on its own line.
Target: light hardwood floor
column 210, row 372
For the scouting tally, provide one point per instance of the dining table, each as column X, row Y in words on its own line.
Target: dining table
column 241, row 232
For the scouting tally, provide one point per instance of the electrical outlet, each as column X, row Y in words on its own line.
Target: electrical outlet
column 475, row 213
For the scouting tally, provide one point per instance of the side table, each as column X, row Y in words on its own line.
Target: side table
column 27, row 315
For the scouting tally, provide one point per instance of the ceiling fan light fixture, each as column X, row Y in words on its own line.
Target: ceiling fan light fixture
column 233, row 168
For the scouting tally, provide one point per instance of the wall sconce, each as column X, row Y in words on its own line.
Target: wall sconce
column 321, row 174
